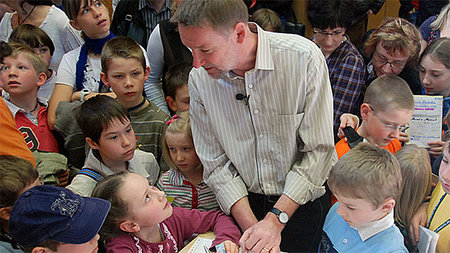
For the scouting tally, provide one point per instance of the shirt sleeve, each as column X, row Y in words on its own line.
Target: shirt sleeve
column 155, row 56
column 67, row 69
column 219, row 173
column 304, row 182
column 425, row 27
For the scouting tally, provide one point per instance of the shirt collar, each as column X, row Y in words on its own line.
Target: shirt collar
column 370, row 229
column 15, row 109
column 175, row 177
column 143, row 3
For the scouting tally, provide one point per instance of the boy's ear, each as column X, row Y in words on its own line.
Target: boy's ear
column 171, row 103
column 365, row 110
column 104, row 78
column 92, row 144
column 129, row 226
column 146, row 72
column 75, row 25
column 5, row 212
column 42, row 78
column 388, row 206
column 39, row 249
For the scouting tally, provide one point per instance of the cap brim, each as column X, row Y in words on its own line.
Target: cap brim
column 87, row 224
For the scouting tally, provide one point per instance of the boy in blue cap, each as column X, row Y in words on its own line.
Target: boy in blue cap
column 53, row 219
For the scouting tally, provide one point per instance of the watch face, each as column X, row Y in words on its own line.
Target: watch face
column 283, row 217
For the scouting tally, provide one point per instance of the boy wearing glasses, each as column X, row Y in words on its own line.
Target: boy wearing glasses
column 388, row 105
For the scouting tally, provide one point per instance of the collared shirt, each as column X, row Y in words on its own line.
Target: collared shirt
column 151, row 17
column 280, row 140
column 347, row 76
column 370, row 229
column 180, row 192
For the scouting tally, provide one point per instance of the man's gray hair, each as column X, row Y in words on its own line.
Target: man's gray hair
column 219, row 14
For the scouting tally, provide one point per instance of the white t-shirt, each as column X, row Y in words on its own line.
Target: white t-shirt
column 56, row 24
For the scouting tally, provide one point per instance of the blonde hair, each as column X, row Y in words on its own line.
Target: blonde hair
column 441, row 19
column 19, row 48
column 396, row 35
column 267, row 19
column 387, row 92
column 180, row 123
column 367, row 172
column 416, row 173
column 121, row 47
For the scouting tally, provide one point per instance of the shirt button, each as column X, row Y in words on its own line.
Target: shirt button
column 269, row 185
column 250, row 86
column 261, row 136
column 256, row 111
column 345, row 240
column 265, row 160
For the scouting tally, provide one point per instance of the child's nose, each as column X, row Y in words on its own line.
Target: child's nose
column 125, row 141
column 180, row 157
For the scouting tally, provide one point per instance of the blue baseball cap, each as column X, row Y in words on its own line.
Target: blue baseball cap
column 53, row 213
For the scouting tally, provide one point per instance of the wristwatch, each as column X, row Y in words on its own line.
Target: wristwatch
column 282, row 216
column 83, row 93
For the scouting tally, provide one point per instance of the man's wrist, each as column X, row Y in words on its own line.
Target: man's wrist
column 273, row 218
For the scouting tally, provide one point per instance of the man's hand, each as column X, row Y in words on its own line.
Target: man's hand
column 264, row 236
column 231, row 247
column 419, row 219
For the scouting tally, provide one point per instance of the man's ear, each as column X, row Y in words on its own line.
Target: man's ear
column 92, row 144
column 129, row 226
column 365, row 110
column 75, row 25
column 388, row 206
column 42, row 78
column 171, row 103
column 105, row 80
column 5, row 212
column 240, row 31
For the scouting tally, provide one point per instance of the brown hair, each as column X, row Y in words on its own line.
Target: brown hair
column 367, row 172
column 416, row 173
column 387, row 92
column 33, row 36
column 176, row 77
column 121, row 47
column 16, row 174
column 396, row 35
column 267, row 19
column 439, row 50
column 72, row 7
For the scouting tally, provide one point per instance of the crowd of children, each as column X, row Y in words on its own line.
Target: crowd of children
column 140, row 185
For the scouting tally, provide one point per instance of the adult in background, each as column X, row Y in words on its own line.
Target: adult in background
column 48, row 17
column 261, row 114
column 137, row 18
column 393, row 49
column 330, row 19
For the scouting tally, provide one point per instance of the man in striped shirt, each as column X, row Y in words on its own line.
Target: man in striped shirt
column 261, row 115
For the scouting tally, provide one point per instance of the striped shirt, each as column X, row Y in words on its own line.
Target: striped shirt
column 151, row 17
column 279, row 141
column 180, row 192
column 348, row 77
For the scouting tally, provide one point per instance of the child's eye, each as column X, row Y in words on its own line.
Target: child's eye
column 444, row 160
column 98, row 4
column 422, row 70
column 118, row 76
column 129, row 130
column 172, row 149
column 436, row 75
column 21, row 67
column 43, row 50
column 350, row 208
column 84, row 11
column 5, row 68
column 186, row 149
column 113, row 137
column 136, row 74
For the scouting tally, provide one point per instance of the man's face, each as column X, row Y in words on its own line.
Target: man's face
column 215, row 51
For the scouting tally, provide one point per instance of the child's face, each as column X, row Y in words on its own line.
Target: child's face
column 444, row 170
column 358, row 211
column 91, row 246
column 44, row 52
column 19, row 76
column 126, row 77
column 182, row 152
column 435, row 77
column 383, row 127
column 147, row 205
column 182, row 98
column 93, row 20
column 117, row 143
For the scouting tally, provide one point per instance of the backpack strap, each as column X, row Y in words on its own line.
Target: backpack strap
column 97, row 176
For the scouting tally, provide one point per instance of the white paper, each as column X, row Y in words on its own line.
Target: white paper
column 201, row 245
column 428, row 240
column 426, row 121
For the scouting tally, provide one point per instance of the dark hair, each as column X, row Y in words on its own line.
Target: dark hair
column 72, row 7
column 97, row 113
column 325, row 14
column 32, row 36
column 16, row 174
column 49, row 244
column 5, row 50
column 177, row 76
column 439, row 50
column 108, row 189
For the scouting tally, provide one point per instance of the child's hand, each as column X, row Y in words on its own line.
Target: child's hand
column 230, row 247
column 347, row 119
column 403, row 137
column 436, row 148
column 419, row 219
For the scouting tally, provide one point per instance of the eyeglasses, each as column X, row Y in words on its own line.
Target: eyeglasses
column 380, row 59
column 388, row 127
column 325, row 33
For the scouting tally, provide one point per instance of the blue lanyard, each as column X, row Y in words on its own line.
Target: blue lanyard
column 443, row 225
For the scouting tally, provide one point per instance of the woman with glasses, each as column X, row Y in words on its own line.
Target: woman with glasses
column 346, row 68
column 393, row 49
